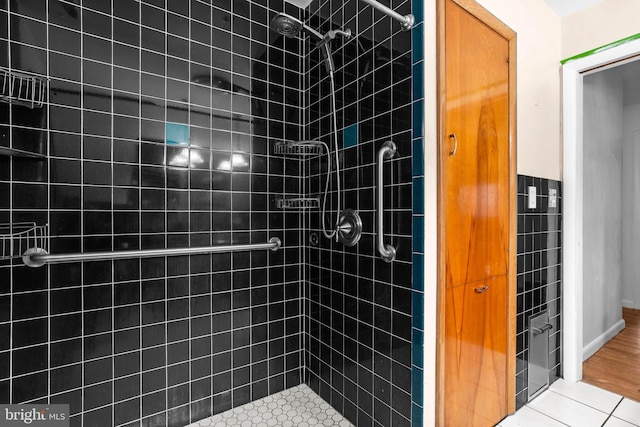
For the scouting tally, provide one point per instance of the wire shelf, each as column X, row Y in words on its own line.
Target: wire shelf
column 298, row 203
column 22, row 89
column 299, row 148
column 23, row 237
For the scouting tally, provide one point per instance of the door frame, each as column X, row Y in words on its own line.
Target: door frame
column 498, row 26
column 573, row 72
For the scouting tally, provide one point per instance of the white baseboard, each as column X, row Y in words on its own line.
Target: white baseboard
column 595, row 345
column 630, row 304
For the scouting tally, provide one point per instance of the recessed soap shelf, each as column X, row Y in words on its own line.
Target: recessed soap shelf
column 18, row 239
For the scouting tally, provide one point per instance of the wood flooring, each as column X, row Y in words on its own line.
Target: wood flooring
column 616, row 366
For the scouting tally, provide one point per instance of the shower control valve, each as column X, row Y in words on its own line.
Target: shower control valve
column 349, row 228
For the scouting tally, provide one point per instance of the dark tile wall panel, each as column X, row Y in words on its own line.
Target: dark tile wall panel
column 157, row 128
column 359, row 330
column 539, row 278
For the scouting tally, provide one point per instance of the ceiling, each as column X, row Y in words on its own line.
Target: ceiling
column 568, row 7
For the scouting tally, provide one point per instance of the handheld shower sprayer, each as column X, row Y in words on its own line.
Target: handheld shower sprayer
column 289, row 26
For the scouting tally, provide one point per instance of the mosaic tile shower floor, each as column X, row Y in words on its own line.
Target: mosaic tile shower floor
column 295, row 407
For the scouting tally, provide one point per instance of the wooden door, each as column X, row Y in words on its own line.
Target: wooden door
column 477, row 216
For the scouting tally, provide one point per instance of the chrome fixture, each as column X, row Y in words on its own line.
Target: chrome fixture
column 387, row 151
column 298, row 203
column 538, row 363
column 38, row 257
column 299, row 3
column 289, row 26
column 299, row 148
column 349, row 227
column 21, row 88
column 304, row 148
column 20, row 237
column 406, row 21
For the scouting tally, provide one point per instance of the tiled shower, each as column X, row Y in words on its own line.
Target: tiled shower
column 358, row 334
column 158, row 132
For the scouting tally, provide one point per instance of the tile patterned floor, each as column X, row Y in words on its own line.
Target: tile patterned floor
column 563, row 404
column 576, row 405
column 295, row 407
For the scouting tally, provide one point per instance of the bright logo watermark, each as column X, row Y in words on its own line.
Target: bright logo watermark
column 34, row 415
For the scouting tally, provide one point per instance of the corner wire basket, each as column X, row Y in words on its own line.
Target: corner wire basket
column 23, row 238
column 21, row 88
column 298, row 203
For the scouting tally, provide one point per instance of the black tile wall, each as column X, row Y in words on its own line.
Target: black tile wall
column 168, row 340
column 539, row 277
column 359, row 308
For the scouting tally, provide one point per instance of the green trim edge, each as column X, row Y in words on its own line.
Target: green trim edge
column 601, row 48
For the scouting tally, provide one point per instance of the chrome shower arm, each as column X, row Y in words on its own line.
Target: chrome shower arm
column 406, row 21
column 331, row 34
column 313, row 32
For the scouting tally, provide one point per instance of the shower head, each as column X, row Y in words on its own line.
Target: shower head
column 286, row 25
column 289, row 26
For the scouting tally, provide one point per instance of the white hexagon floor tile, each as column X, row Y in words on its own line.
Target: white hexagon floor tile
column 295, row 407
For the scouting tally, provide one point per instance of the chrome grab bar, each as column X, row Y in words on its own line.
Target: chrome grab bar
column 406, row 21
column 39, row 258
column 387, row 151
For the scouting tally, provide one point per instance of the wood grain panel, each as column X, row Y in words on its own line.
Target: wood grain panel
column 477, row 184
column 477, row 212
column 476, row 353
column 616, row 366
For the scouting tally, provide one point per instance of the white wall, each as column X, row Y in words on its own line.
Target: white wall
column 602, row 211
column 631, row 207
column 538, row 83
column 598, row 25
